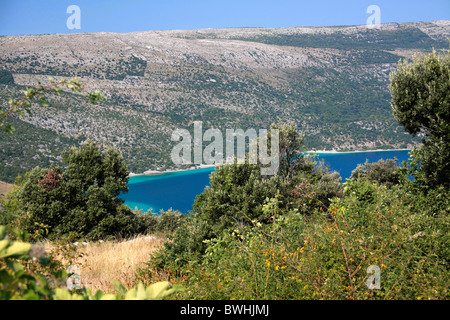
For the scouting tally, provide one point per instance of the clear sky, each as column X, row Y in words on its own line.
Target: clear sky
column 50, row 16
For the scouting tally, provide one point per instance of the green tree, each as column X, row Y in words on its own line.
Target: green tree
column 82, row 199
column 291, row 148
column 238, row 193
column 420, row 93
column 382, row 172
column 88, row 165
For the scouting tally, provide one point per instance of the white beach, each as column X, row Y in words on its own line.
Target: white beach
column 151, row 172
column 358, row 151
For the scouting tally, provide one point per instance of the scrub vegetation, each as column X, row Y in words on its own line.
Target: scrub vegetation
column 299, row 234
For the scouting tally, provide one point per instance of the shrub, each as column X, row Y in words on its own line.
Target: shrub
column 168, row 221
column 81, row 199
column 6, row 77
column 327, row 255
column 382, row 172
column 421, row 104
column 236, row 196
column 315, row 192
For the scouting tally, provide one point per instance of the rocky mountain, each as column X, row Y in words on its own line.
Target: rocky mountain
column 332, row 82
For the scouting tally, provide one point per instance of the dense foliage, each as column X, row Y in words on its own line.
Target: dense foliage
column 238, row 192
column 305, row 235
column 299, row 234
column 6, row 77
column 326, row 255
column 312, row 238
column 383, row 172
column 81, row 200
column 421, row 104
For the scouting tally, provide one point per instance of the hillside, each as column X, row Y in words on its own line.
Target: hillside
column 332, row 82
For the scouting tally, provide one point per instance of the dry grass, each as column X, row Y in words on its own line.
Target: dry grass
column 103, row 262
column 5, row 188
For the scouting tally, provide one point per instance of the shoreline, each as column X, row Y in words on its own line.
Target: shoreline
column 204, row 166
column 158, row 172
column 359, row 151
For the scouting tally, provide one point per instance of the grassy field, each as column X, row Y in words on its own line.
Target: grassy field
column 103, row 262
column 4, row 188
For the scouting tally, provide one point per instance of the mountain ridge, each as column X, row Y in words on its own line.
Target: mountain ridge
column 331, row 82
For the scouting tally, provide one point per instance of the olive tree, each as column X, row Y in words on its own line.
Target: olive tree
column 80, row 199
column 420, row 91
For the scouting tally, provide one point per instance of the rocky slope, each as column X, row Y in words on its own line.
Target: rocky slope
column 332, row 82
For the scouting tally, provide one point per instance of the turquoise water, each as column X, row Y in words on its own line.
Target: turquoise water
column 346, row 162
column 177, row 190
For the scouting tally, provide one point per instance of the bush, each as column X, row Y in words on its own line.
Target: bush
column 383, row 172
column 327, row 255
column 81, row 199
column 168, row 221
column 236, row 196
column 305, row 235
column 315, row 192
column 364, row 190
column 6, row 77
column 420, row 103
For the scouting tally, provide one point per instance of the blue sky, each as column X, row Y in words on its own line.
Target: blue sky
column 50, row 16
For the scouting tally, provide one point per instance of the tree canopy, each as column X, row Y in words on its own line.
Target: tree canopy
column 420, row 92
column 81, row 199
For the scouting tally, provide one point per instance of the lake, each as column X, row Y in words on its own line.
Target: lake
column 177, row 190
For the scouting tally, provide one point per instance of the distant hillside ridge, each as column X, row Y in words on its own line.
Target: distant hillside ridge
column 332, row 82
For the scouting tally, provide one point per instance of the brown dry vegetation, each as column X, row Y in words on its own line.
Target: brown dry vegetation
column 5, row 188
column 103, row 262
